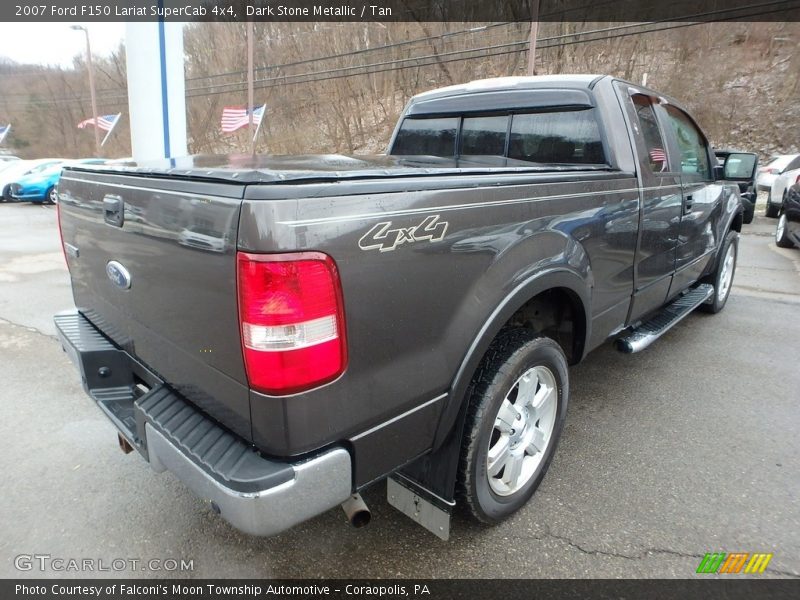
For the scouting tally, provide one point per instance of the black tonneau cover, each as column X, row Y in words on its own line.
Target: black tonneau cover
column 267, row 169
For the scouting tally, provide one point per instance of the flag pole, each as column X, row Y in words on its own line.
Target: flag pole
column 103, row 143
column 250, row 84
column 258, row 127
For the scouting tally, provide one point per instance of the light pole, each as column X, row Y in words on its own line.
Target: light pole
column 91, row 86
column 534, row 33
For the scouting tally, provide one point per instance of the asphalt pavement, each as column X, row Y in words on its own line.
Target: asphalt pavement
column 688, row 447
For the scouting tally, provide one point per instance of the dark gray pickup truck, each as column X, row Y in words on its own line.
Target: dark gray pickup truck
column 282, row 332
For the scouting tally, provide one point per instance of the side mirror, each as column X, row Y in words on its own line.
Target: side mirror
column 740, row 166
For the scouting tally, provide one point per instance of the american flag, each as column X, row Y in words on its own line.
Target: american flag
column 657, row 155
column 105, row 122
column 236, row 117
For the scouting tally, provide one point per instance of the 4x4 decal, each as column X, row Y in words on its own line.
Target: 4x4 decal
column 386, row 239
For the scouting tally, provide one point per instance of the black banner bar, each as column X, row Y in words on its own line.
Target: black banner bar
column 527, row 589
column 399, row 10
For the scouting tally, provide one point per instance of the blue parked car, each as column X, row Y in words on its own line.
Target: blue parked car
column 40, row 186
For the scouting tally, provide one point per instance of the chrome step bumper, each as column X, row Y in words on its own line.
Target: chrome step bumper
column 256, row 495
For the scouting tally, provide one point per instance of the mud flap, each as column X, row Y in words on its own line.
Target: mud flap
column 430, row 511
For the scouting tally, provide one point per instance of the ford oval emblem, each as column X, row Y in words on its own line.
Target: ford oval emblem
column 118, row 275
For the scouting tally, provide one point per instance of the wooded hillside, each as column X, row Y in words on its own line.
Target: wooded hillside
column 339, row 87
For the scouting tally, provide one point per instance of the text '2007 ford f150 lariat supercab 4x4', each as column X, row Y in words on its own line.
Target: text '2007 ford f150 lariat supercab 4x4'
column 282, row 332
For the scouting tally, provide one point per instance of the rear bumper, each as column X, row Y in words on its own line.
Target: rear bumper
column 256, row 495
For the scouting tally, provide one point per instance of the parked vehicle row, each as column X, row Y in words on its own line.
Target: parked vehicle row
column 787, row 233
column 774, row 177
column 17, row 170
column 34, row 180
column 780, row 188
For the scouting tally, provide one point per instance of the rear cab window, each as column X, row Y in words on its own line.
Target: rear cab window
column 551, row 136
column 427, row 137
column 483, row 136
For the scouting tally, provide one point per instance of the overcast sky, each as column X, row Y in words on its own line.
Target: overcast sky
column 56, row 43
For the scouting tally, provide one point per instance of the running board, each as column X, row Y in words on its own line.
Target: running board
column 648, row 332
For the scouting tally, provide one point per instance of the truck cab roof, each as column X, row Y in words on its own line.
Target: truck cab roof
column 494, row 84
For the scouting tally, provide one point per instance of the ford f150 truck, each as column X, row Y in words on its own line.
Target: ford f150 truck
column 340, row 321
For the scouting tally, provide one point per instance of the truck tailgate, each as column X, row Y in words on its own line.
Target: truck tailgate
column 153, row 266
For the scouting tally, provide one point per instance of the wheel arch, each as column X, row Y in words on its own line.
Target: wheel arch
column 563, row 285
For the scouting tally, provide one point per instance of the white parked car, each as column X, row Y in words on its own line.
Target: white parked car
column 776, row 165
column 202, row 238
column 777, row 193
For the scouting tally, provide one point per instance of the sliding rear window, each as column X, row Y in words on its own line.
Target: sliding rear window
column 549, row 137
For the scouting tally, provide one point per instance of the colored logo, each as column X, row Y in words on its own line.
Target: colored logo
column 118, row 275
column 734, row 562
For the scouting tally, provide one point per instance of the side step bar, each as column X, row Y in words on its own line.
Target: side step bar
column 648, row 332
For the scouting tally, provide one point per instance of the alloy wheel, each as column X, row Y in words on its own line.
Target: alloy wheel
column 522, row 431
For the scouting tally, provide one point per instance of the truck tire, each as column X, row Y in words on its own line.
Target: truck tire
column 517, row 406
column 782, row 235
column 772, row 210
column 722, row 277
column 749, row 215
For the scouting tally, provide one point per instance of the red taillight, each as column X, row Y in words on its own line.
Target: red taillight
column 292, row 320
column 797, row 180
column 61, row 234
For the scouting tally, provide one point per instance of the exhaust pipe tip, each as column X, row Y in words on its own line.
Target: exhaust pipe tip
column 357, row 512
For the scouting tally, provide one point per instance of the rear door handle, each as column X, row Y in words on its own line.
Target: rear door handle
column 113, row 210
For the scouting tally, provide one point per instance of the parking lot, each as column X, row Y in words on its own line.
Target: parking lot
column 689, row 447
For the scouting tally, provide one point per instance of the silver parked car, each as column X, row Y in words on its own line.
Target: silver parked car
column 776, row 166
column 777, row 194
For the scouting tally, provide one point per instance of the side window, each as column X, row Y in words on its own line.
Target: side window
column 568, row 137
column 430, row 137
column 691, row 144
column 484, row 136
column 651, row 135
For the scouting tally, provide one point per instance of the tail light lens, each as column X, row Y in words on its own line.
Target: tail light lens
column 292, row 320
column 61, row 233
column 797, row 180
